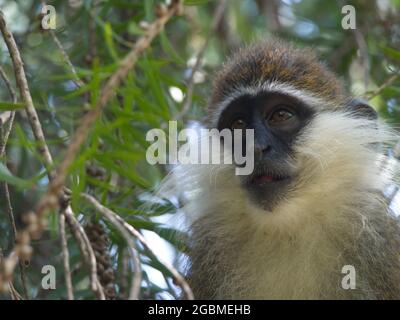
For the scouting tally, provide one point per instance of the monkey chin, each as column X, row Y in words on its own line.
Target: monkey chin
column 266, row 189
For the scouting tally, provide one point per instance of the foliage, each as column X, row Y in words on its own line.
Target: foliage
column 112, row 164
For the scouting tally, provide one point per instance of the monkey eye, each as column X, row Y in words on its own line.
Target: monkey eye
column 280, row 116
column 239, row 124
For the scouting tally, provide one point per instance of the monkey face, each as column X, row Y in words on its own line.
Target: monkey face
column 277, row 120
column 304, row 123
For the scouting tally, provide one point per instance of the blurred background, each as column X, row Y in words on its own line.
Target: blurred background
column 171, row 81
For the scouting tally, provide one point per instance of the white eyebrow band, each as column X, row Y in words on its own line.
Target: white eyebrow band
column 304, row 96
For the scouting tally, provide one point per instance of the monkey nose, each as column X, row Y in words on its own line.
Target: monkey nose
column 261, row 150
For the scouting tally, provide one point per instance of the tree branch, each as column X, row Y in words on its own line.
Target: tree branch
column 382, row 87
column 25, row 93
column 112, row 216
column 9, row 209
column 7, row 116
column 86, row 250
column 78, row 82
column 65, row 255
column 137, row 277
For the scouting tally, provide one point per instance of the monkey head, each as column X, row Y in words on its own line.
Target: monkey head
column 305, row 126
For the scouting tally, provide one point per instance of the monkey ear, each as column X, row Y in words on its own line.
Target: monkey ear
column 361, row 108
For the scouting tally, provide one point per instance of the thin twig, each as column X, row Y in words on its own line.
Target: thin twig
column 87, row 251
column 10, row 118
column 92, row 41
column 13, row 292
column 219, row 13
column 137, row 273
column 7, row 82
column 97, row 21
column 124, row 274
column 10, row 212
column 78, row 82
column 7, row 266
column 25, row 93
column 11, row 289
column 137, row 276
column 7, row 116
column 65, row 255
column 362, row 46
column 112, row 216
column 386, row 84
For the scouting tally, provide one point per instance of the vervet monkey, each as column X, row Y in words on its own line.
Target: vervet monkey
column 314, row 202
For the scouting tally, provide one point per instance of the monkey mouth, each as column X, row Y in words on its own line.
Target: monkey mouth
column 268, row 173
column 267, row 178
column 267, row 184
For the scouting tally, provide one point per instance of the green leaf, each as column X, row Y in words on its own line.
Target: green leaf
column 156, row 264
column 173, row 236
column 392, row 53
column 154, row 83
column 133, row 28
column 7, row 176
column 108, row 35
column 11, row 106
column 195, row 2
column 149, row 9
column 170, row 50
column 391, row 91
